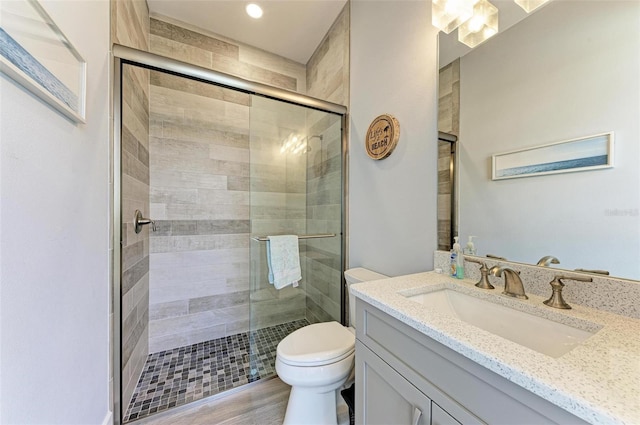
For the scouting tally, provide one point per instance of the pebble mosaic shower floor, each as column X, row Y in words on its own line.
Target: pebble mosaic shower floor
column 182, row 375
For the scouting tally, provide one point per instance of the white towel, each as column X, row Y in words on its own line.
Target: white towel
column 283, row 260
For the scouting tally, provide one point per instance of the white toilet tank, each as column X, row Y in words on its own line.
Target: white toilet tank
column 357, row 275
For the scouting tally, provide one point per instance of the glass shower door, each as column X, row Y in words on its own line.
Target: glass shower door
column 295, row 188
column 185, row 297
column 216, row 168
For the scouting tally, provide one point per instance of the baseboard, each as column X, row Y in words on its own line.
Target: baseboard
column 108, row 420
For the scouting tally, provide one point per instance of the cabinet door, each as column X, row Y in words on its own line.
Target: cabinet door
column 384, row 397
column 441, row 417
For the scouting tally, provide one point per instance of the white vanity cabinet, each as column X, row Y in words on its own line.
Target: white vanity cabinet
column 389, row 398
column 405, row 377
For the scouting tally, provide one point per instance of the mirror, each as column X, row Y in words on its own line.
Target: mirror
column 569, row 70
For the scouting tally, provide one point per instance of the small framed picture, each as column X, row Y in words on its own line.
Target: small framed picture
column 35, row 53
column 582, row 154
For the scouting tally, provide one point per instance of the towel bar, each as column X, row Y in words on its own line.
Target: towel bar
column 313, row 236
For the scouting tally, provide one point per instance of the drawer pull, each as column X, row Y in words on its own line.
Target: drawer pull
column 416, row 416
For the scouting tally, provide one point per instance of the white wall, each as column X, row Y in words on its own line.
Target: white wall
column 392, row 202
column 54, row 303
column 568, row 71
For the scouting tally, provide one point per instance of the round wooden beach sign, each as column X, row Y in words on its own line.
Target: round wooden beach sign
column 382, row 136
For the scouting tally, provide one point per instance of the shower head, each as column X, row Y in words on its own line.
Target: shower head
column 298, row 144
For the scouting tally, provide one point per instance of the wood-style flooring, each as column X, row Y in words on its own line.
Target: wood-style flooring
column 261, row 403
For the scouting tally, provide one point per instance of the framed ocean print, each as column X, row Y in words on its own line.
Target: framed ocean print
column 36, row 54
column 582, row 154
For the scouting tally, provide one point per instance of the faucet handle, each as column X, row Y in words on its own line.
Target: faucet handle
column 495, row 257
column 556, row 300
column 483, row 283
column 604, row 272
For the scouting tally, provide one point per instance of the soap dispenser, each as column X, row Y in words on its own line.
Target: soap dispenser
column 457, row 260
column 453, row 259
column 470, row 249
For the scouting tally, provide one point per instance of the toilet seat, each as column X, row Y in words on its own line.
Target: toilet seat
column 316, row 345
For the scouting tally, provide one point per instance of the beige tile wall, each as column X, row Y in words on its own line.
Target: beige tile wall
column 327, row 78
column 205, row 192
column 328, row 67
column 130, row 27
column 278, row 202
column 130, row 23
column 181, row 41
column 199, row 265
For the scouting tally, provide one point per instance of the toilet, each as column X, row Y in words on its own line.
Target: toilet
column 317, row 360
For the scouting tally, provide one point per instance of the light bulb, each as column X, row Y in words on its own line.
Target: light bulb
column 481, row 26
column 447, row 15
column 476, row 23
column 254, row 10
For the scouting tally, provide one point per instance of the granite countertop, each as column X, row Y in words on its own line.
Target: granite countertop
column 598, row 381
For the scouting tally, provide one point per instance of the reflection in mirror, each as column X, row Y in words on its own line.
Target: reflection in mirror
column 567, row 71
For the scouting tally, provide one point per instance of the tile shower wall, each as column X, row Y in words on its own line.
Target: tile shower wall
column 183, row 42
column 130, row 27
column 448, row 122
column 278, row 199
column 199, row 150
column 323, row 212
column 328, row 67
column 327, row 78
column 200, row 191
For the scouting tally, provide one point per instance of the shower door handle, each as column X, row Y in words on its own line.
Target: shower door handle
column 139, row 221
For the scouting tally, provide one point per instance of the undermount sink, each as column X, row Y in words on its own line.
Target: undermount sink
column 537, row 333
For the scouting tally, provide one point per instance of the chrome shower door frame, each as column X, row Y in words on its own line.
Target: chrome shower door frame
column 125, row 55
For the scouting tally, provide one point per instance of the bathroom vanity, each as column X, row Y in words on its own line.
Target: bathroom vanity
column 418, row 365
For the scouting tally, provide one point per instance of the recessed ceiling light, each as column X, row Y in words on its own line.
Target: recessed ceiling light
column 254, row 10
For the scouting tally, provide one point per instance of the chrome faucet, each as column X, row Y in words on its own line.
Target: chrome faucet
column 549, row 259
column 512, row 284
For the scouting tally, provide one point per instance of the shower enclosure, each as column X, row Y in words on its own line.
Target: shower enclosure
column 215, row 164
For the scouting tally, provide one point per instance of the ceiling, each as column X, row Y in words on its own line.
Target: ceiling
column 294, row 28
column 289, row 28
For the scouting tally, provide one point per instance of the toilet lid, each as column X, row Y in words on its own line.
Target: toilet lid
column 320, row 343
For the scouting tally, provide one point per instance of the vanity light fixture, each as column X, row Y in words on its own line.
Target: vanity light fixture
column 254, row 10
column 447, row 15
column 530, row 5
column 476, row 20
column 481, row 26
